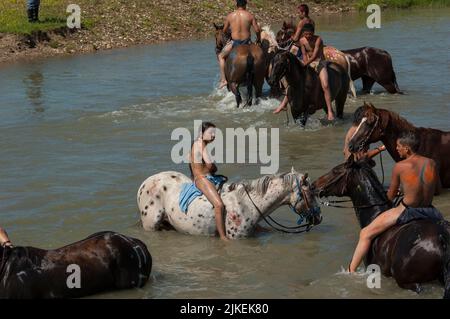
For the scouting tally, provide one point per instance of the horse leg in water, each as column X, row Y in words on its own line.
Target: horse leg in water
column 234, row 87
column 367, row 83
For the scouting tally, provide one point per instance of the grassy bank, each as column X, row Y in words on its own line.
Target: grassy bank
column 403, row 4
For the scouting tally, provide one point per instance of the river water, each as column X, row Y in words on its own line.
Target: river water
column 79, row 134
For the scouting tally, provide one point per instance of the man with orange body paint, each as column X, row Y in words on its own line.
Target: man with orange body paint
column 419, row 179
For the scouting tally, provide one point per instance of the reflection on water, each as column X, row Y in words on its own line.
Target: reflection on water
column 107, row 127
column 33, row 84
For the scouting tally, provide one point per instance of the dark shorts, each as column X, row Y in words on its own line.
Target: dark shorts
column 241, row 42
column 322, row 64
column 414, row 213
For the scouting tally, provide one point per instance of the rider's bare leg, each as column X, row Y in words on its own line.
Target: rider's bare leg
column 323, row 75
column 282, row 106
column 221, row 57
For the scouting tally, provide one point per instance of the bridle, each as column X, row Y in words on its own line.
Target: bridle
column 310, row 212
column 366, row 139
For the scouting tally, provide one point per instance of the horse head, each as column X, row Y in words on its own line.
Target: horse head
column 281, row 65
column 302, row 199
column 370, row 128
column 285, row 33
column 356, row 179
column 221, row 37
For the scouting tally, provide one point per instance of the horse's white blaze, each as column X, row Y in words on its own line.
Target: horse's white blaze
column 158, row 197
column 364, row 119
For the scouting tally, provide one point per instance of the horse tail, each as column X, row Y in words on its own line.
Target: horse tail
column 250, row 73
column 352, row 85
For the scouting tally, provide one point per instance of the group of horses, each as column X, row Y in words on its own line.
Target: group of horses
column 248, row 65
column 412, row 254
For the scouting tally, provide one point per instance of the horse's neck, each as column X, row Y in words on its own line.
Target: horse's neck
column 363, row 197
column 264, row 203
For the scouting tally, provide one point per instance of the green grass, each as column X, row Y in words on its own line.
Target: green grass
column 403, row 4
column 52, row 15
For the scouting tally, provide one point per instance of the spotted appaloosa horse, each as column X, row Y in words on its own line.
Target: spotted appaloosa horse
column 106, row 261
column 158, row 197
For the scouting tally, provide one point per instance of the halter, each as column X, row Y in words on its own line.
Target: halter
column 300, row 196
column 361, row 146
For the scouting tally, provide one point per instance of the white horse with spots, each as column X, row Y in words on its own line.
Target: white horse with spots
column 246, row 203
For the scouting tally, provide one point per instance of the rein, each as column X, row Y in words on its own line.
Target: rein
column 287, row 229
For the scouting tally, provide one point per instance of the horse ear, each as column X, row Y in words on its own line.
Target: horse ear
column 304, row 178
column 350, row 161
column 215, row 25
column 293, row 171
column 285, row 25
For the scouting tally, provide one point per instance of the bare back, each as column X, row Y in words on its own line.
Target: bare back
column 240, row 21
column 418, row 177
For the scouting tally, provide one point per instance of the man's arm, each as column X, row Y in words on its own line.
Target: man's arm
column 438, row 189
column 226, row 25
column 395, row 182
column 318, row 46
column 298, row 32
column 375, row 152
column 304, row 55
column 4, row 237
column 257, row 29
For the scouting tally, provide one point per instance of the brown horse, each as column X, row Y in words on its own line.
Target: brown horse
column 412, row 253
column 304, row 89
column 386, row 126
column 368, row 63
column 245, row 65
column 106, row 261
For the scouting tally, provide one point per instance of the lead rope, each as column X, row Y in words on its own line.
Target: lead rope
column 270, row 218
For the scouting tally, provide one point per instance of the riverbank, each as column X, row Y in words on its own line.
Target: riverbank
column 108, row 24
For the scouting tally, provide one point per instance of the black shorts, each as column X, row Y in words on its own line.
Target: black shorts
column 414, row 213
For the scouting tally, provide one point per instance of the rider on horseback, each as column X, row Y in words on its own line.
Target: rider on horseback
column 419, row 178
column 240, row 22
column 203, row 170
column 295, row 48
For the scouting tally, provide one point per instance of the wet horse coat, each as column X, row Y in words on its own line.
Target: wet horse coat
column 412, row 253
column 106, row 261
column 158, row 202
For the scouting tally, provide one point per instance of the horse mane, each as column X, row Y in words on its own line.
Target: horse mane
column 269, row 35
column 261, row 184
column 400, row 122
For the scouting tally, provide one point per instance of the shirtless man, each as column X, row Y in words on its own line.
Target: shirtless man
column 240, row 22
column 304, row 19
column 419, row 178
column 4, row 240
column 203, row 170
column 312, row 52
column 295, row 48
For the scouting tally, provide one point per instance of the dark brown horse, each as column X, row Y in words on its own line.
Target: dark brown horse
column 412, row 253
column 106, row 261
column 244, row 65
column 368, row 63
column 304, row 89
column 386, row 126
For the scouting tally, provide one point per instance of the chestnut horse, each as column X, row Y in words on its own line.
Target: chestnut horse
column 412, row 253
column 304, row 89
column 387, row 126
column 368, row 63
column 244, row 65
column 105, row 261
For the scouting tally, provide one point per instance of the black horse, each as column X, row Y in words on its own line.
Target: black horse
column 412, row 253
column 304, row 89
column 106, row 261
